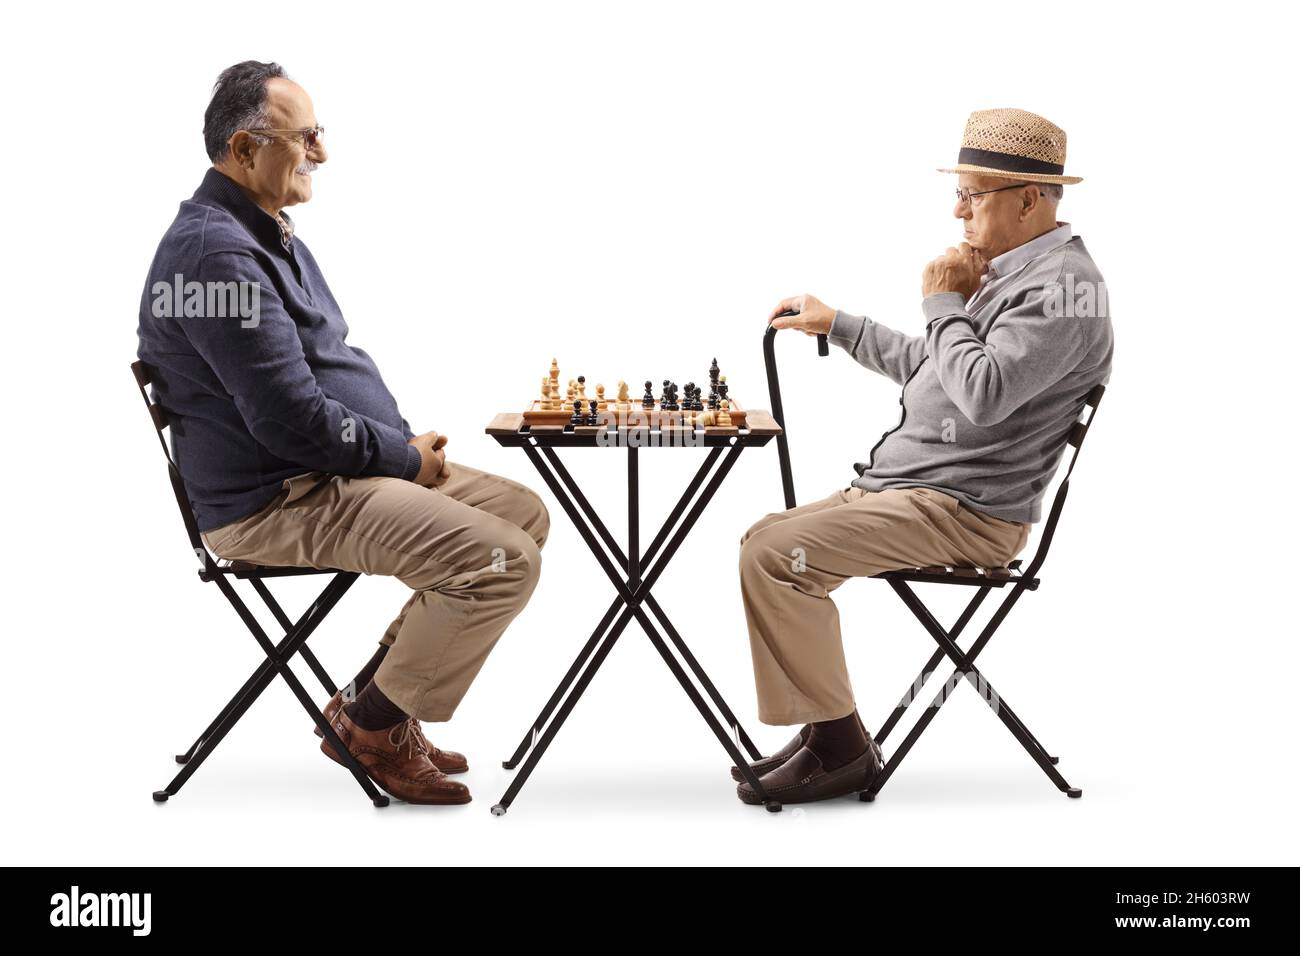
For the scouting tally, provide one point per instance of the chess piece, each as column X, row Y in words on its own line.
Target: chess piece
column 648, row 400
column 577, row 418
column 593, row 417
column 600, row 397
column 582, row 387
column 722, row 388
column 724, row 415
column 546, row 393
column 622, row 392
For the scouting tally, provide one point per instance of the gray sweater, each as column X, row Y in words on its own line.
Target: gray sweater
column 989, row 395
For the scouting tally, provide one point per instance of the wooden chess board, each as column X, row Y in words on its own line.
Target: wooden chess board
column 756, row 427
column 536, row 415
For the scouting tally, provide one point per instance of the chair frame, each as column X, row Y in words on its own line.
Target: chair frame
column 278, row 654
column 983, row 580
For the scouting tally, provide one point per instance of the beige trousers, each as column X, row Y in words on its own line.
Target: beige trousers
column 470, row 549
column 790, row 561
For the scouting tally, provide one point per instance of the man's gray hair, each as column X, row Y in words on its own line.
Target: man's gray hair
column 1052, row 192
column 238, row 102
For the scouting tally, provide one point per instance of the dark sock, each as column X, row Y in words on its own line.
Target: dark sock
column 367, row 673
column 838, row 742
column 373, row 711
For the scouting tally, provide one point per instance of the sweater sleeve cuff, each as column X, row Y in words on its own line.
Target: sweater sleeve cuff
column 943, row 303
column 846, row 330
column 414, row 461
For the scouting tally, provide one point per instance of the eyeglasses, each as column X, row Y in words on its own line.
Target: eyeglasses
column 310, row 137
column 964, row 195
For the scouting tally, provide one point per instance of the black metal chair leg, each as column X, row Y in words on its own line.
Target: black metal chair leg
column 264, row 668
column 917, row 685
column 217, row 733
column 277, row 660
column 316, row 668
column 965, row 668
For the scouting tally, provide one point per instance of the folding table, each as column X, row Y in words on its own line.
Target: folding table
column 633, row 572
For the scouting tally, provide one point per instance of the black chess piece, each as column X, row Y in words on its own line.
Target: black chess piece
column 594, row 417
column 722, row 389
column 714, row 371
column 577, row 418
column 648, row 400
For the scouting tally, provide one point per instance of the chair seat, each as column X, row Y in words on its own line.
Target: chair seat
column 247, row 569
column 989, row 577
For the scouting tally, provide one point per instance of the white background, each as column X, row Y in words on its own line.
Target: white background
column 630, row 188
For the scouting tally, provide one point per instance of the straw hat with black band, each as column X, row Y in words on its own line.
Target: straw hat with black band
column 1013, row 144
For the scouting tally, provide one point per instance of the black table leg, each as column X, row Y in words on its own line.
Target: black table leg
column 530, row 736
column 632, row 593
column 633, row 564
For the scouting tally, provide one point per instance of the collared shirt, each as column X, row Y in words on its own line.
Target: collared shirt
column 1002, row 267
column 286, row 228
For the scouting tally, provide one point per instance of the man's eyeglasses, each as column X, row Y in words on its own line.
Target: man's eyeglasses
column 310, row 137
column 964, row 195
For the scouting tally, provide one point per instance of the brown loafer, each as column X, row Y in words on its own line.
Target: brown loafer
column 768, row 764
column 801, row 779
column 396, row 760
column 448, row 761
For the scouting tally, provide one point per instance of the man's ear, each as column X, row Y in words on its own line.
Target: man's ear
column 241, row 149
column 1029, row 200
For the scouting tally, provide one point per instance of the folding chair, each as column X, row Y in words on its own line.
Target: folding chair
column 982, row 579
column 279, row 654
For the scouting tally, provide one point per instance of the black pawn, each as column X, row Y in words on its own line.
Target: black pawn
column 578, row 418
column 648, row 400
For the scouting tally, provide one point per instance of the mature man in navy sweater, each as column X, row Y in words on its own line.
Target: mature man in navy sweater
column 294, row 452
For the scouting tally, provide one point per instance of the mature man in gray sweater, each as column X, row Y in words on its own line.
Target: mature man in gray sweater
column 1017, row 332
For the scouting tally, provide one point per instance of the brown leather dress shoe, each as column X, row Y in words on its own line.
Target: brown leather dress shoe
column 768, row 764
column 396, row 760
column 448, row 761
column 802, row 779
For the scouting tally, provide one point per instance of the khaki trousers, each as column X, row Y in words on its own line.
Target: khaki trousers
column 790, row 561
column 470, row 549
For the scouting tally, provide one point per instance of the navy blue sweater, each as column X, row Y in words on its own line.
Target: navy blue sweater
column 258, row 396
